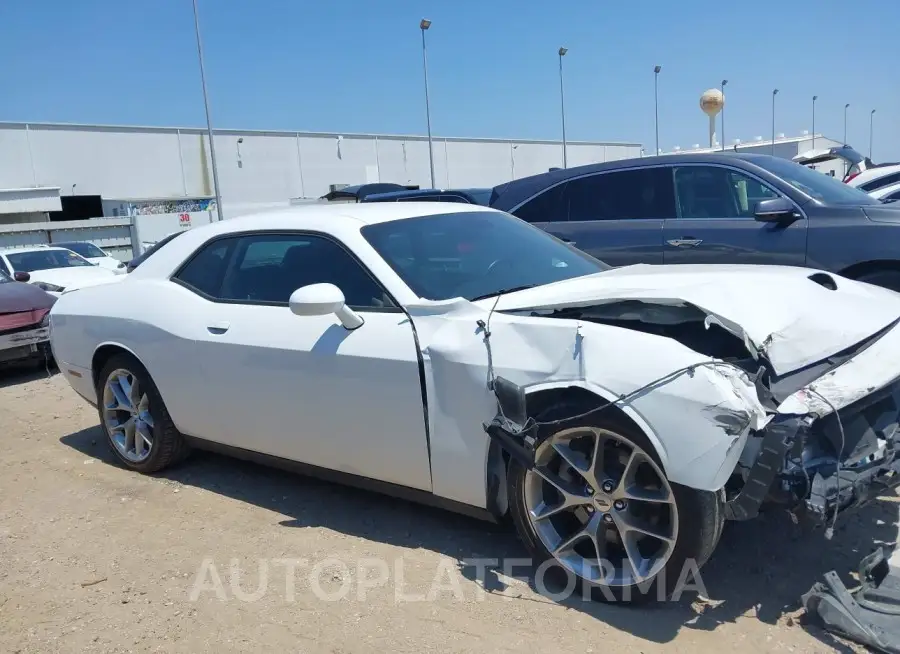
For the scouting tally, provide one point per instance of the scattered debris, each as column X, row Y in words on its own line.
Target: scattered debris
column 869, row 615
column 85, row 584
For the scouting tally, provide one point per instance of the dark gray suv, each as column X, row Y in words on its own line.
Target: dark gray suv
column 713, row 208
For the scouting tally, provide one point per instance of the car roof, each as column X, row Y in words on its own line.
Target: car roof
column 428, row 191
column 509, row 194
column 36, row 248
column 340, row 220
column 885, row 190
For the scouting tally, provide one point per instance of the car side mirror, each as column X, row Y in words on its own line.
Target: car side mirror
column 322, row 300
column 776, row 210
column 22, row 276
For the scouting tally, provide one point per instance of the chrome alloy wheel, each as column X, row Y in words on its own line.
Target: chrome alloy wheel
column 601, row 506
column 126, row 414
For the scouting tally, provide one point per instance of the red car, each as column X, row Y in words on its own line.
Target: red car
column 24, row 321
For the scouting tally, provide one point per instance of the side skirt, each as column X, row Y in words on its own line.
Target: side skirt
column 344, row 478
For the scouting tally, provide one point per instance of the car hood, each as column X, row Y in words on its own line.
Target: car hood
column 787, row 314
column 885, row 213
column 17, row 297
column 109, row 263
column 75, row 277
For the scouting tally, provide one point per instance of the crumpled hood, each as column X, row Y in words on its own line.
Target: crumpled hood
column 777, row 310
column 75, row 277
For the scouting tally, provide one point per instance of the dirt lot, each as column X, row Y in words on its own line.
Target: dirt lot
column 94, row 558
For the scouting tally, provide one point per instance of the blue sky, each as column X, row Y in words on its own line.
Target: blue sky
column 355, row 66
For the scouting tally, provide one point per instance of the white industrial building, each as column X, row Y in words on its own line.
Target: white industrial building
column 115, row 170
column 786, row 147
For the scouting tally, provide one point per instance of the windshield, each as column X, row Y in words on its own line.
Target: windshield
column 134, row 263
column 88, row 250
column 815, row 184
column 475, row 254
column 45, row 260
column 4, row 277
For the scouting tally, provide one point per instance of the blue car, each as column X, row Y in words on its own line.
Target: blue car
column 713, row 208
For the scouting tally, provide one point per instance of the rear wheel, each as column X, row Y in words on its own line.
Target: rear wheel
column 598, row 512
column 134, row 418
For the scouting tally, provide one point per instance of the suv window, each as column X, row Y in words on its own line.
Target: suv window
column 715, row 192
column 622, row 195
column 267, row 268
column 548, row 207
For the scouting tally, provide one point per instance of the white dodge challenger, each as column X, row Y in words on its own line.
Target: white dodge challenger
column 458, row 356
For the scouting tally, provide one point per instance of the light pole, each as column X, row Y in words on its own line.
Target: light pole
column 724, row 82
column 424, row 24
column 871, row 129
column 562, row 104
column 212, row 145
column 656, row 70
column 815, row 97
column 846, row 106
column 774, row 93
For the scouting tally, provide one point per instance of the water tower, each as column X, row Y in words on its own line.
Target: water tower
column 712, row 102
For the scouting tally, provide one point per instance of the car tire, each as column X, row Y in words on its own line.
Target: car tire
column 699, row 517
column 147, row 410
column 889, row 279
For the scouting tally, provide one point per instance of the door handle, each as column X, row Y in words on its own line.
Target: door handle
column 685, row 242
column 218, row 327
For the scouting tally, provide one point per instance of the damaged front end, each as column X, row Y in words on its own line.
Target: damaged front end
column 819, row 466
column 833, row 440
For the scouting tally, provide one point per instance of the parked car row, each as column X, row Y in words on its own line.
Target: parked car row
column 452, row 354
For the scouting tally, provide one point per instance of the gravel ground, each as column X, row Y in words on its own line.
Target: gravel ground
column 94, row 558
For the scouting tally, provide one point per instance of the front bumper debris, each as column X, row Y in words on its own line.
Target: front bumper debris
column 870, row 615
column 822, row 466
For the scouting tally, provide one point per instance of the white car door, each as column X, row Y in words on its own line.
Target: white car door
column 306, row 388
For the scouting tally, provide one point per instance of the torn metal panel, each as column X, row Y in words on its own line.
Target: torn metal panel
column 779, row 311
column 868, row 371
column 698, row 419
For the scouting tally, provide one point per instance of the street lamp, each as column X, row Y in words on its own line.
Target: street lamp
column 424, row 24
column 724, row 82
column 656, row 70
column 774, row 93
column 212, row 145
column 815, row 97
column 871, row 125
column 562, row 104
column 846, row 106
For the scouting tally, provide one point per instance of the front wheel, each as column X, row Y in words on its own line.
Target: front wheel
column 597, row 509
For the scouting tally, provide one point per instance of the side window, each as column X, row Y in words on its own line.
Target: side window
column 548, row 207
column 715, row 192
column 625, row 195
column 4, row 268
column 204, row 272
column 269, row 267
column 881, row 182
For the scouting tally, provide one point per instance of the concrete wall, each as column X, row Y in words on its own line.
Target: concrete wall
column 125, row 162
